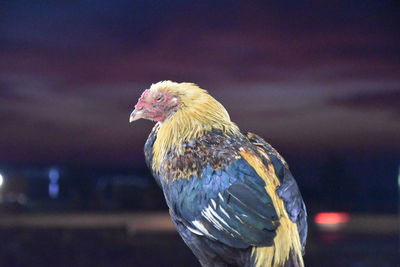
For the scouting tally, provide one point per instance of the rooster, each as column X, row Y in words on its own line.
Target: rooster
column 230, row 194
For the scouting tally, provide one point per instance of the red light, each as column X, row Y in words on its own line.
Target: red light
column 331, row 218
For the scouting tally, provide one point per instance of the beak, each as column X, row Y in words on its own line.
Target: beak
column 135, row 115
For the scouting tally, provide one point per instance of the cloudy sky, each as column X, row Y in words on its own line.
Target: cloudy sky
column 309, row 76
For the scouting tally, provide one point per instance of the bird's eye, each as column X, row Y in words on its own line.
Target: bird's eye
column 140, row 108
column 159, row 98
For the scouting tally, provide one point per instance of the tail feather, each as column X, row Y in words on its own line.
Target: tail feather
column 294, row 260
column 268, row 257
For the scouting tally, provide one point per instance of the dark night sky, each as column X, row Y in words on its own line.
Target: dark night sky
column 309, row 76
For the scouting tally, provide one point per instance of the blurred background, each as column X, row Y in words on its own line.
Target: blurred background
column 319, row 80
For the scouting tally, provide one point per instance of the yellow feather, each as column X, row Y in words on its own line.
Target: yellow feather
column 198, row 113
column 287, row 236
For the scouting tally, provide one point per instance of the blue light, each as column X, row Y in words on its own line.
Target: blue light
column 54, row 175
column 54, row 188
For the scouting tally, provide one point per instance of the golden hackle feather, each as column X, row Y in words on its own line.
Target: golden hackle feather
column 198, row 113
column 287, row 236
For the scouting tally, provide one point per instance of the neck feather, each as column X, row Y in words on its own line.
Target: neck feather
column 189, row 123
